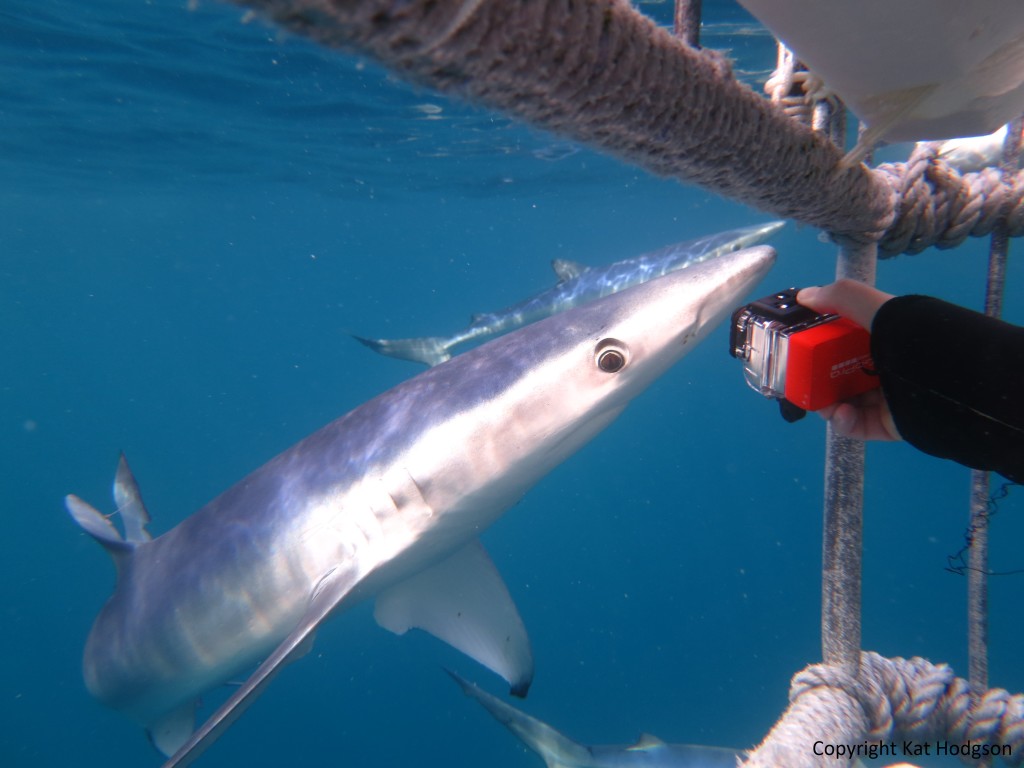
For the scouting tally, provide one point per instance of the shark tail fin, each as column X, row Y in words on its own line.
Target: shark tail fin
column 557, row 750
column 129, row 503
column 430, row 350
column 98, row 525
column 133, row 515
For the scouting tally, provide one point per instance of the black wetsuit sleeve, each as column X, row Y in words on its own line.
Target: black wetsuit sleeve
column 954, row 381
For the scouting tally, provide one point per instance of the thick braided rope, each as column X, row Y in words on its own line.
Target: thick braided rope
column 937, row 206
column 604, row 74
column 905, row 698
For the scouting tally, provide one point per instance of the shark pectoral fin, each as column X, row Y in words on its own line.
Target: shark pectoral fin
column 129, row 504
column 173, row 729
column 463, row 601
column 567, row 270
column 556, row 749
column 333, row 588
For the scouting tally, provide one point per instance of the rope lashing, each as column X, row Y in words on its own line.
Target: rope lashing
column 795, row 89
column 785, row 87
column 937, row 206
column 891, row 698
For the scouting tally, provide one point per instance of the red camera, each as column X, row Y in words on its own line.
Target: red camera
column 804, row 359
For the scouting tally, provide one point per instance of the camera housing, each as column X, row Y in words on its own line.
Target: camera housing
column 804, row 359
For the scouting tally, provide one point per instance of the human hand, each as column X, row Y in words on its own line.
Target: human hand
column 867, row 416
column 864, row 417
column 853, row 300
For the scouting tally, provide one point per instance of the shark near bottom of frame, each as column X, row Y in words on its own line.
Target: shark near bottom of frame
column 385, row 502
column 559, row 751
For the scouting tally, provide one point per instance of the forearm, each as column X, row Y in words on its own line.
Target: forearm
column 954, row 381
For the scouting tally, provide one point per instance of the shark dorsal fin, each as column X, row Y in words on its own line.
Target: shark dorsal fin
column 646, row 742
column 567, row 270
column 129, row 504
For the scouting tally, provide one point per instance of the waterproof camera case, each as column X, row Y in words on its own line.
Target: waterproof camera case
column 803, row 359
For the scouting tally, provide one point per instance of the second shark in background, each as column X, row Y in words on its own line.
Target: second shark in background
column 577, row 284
column 560, row 751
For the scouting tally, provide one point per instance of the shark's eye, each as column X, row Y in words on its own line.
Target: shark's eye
column 611, row 356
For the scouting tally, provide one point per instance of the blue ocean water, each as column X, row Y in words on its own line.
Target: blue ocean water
column 194, row 213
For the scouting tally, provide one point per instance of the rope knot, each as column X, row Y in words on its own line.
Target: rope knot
column 936, row 205
column 864, row 691
column 996, row 717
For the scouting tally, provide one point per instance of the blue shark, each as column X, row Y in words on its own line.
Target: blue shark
column 386, row 502
column 559, row 751
column 577, row 284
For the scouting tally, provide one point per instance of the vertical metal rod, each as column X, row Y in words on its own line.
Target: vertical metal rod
column 977, row 586
column 821, row 118
column 838, row 132
column 844, row 518
column 977, row 572
column 842, row 537
column 1000, row 248
column 841, row 552
column 686, row 21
